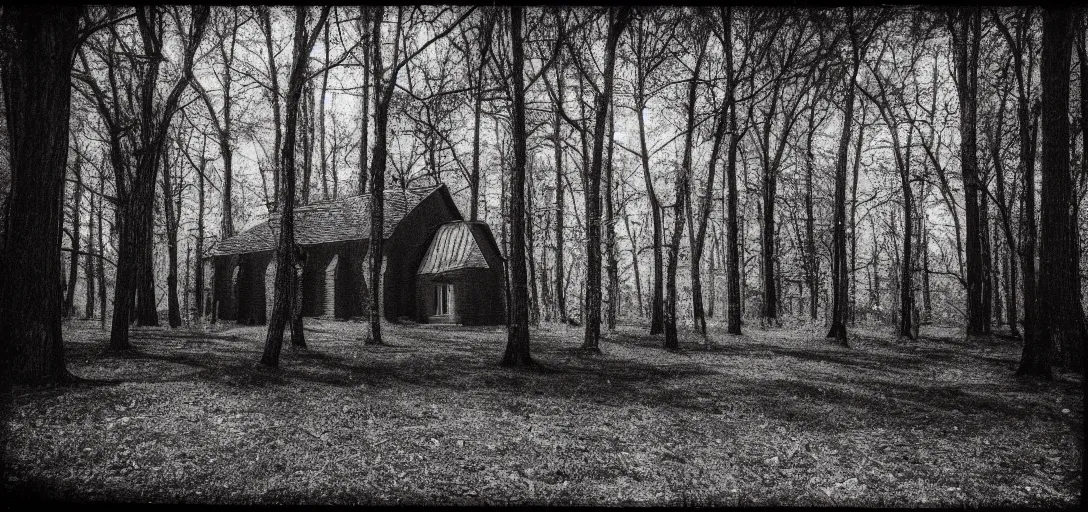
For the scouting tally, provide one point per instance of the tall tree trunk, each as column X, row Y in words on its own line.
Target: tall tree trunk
column 560, row 202
column 285, row 305
column 530, row 252
column 1005, row 220
column 634, row 262
column 610, row 222
column 732, row 292
column 851, row 272
column 811, row 261
column 321, row 119
column 101, row 257
column 966, row 35
column 226, row 228
column 198, row 271
column 383, row 92
column 683, row 179
column 657, row 303
column 88, row 264
column 69, row 296
column 1035, row 358
column 273, row 73
column 593, row 184
column 986, row 249
column 1061, row 319
column 477, row 112
column 37, row 93
column 517, row 343
column 171, row 221
column 364, row 104
column 697, row 236
column 839, row 272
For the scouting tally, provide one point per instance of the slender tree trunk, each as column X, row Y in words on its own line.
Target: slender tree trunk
column 321, row 119
column 73, row 266
column 101, row 257
column 634, row 262
column 170, row 218
column 226, row 228
column 839, row 272
column 610, row 222
column 285, row 305
column 477, row 113
column 88, row 264
column 364, row 104
column 852, row 272
column 530, row 251
column 657, row 303
column 593, row 185
column 811, row 261
column 273, row 73
column 383, row 92
column 966, row 37
column 697, row 239
column 1035, row 358
column 198, row 271
column 733, row 283
column 517, row 344
column 560, row 296
column 1006, row 224
column 683, row 179
column 37, row 93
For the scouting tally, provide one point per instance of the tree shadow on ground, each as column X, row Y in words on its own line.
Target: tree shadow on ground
column 826, row 389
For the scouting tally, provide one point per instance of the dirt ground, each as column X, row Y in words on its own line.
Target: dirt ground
column 775, row 417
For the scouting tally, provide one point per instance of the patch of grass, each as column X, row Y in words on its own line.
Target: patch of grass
column 774, row 417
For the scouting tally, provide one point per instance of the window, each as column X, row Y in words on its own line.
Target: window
column 443, row 298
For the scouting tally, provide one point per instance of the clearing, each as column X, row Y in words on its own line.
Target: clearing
column 775, row 417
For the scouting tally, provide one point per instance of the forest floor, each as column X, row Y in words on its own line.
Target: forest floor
column 775, row 417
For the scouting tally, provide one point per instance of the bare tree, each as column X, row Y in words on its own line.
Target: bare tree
column 285, row 304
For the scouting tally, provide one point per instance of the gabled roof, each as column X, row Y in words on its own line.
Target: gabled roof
column 327, row 221
column 454, row 247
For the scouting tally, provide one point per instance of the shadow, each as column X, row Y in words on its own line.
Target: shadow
column 818, row 386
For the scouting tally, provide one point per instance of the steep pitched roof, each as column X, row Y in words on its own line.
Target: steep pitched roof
column 453, row 248
column 327, row 221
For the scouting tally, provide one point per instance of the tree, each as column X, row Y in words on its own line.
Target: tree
column 617, row 22
column 134, row 180
column 1061, row 319
column 286, row 303
column 171, row 204
column 227, row 27
column 73, row 265
column 517, row 341
column 487, row 25
column 650, row 42
column 859, row 40
column 965, row 26
column 1021, row 48
column 383, row 90
column 39, row 44
column 683, row 180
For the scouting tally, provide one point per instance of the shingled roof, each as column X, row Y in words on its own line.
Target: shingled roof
column 453, row 248
column 327, row 221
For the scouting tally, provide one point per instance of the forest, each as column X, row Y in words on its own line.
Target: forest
column 831, row 166
column 666, row 179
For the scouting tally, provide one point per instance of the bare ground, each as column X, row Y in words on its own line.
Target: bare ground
column 776, row 417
